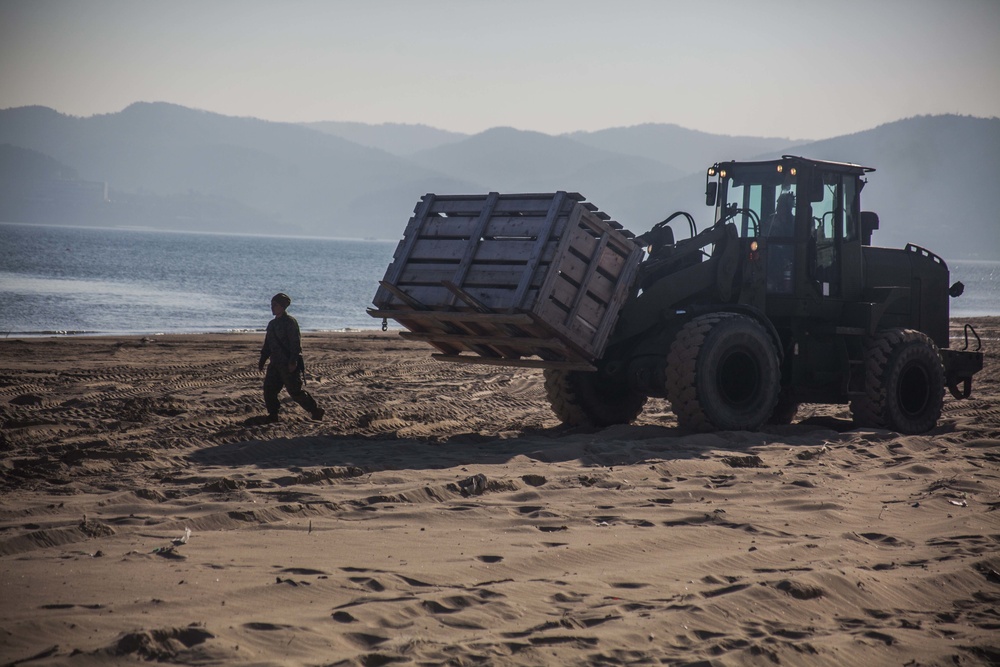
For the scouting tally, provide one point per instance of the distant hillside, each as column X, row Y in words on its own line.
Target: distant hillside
column 299, row 177
column 396, row 138
column 38, row 189
column 510, row 160
column 167, row 166
column 685, row 150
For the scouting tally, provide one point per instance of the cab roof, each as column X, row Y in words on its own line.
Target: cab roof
column 790, row 160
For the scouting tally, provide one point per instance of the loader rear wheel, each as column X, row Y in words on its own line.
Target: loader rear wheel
column 581, row 399
column 723, row 374
column 904, row 383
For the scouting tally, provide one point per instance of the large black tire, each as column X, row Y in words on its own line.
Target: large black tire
column 580, row 399
column 722, row 373
column 904, row 383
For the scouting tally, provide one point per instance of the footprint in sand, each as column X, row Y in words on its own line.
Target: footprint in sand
column 490, row 559
column 343, row 617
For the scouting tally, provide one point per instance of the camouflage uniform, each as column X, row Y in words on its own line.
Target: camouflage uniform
column 283, row 346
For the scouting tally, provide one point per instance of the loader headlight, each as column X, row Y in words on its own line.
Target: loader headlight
column 781, row 168
column 722, row 173
column 711, row 171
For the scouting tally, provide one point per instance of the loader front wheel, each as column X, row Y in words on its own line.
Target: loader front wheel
column 580, row 398
column 722, row 373
column 904, row 383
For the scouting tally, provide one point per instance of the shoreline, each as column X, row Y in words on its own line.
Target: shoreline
column 240, row 332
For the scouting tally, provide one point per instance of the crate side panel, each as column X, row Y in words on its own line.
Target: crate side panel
column 564, row 294
column 600, row 286
column 600, row 299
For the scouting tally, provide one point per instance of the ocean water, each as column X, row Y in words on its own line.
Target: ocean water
column 982, row 288
column 124, row 281
column 70, row 280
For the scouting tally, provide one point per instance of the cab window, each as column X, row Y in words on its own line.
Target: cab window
column 826, row 231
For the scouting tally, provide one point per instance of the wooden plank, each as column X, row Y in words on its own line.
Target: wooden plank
column 541, row 206
column 498, row 251
column 528, row 203
column 523, row 203
column 584, row 245
column 451, row 316
column 410, row 238
column 517, row 363
column 469, row 300
column 525, row 227
column 473, row 243
column 508, row 332
column 460, row 328
column 499, row 226
column 581, row 328
column 587, row 308
column 574, row 269
column 521, row 343
column 538, row 249
column 623, row 289
column 486, row 275
column 403, row 296
column 494, row 298
column 591, row 270
column 459, row 226
column 573, row 348
column 382, row 295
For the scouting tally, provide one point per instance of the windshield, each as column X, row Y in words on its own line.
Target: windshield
column 760, row 201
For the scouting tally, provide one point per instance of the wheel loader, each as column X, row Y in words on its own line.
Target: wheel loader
column 782, row 300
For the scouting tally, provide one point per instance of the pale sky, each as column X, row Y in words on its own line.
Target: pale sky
column 803, row 69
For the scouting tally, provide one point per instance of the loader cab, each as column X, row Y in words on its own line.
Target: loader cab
column 805, row 216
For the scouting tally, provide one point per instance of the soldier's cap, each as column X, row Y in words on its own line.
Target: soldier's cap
column 282, row 298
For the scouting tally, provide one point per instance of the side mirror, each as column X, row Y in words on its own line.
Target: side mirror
column 869, row 223
column 711, row 192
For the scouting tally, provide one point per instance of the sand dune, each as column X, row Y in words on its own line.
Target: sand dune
column 441, row 515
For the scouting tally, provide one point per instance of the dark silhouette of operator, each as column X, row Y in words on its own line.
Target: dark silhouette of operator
column 782, row 223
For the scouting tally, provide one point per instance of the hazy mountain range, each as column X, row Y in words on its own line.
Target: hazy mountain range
column 165, row 166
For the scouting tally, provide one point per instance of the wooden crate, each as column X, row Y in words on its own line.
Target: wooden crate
column 512, row 280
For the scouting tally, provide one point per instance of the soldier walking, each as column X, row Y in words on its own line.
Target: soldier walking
column 283, row 346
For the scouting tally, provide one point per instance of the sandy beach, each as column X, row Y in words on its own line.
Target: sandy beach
column 441, row 515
